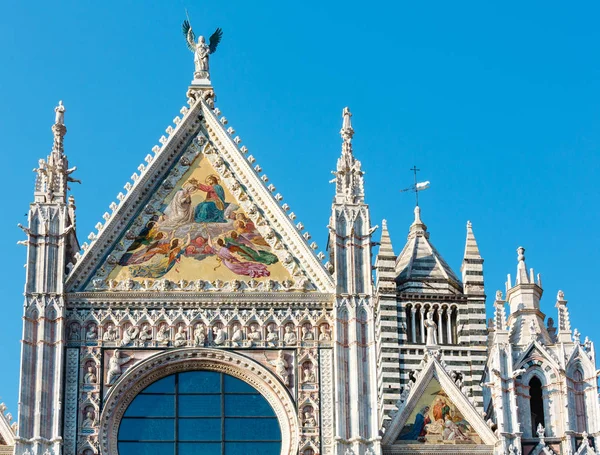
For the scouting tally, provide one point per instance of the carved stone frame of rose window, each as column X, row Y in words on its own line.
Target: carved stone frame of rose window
column 173, row 361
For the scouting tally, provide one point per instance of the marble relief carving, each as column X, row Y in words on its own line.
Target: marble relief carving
column 285, row 341
column 189, row 328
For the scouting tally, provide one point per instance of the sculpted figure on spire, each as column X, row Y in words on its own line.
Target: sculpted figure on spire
column 201, row 49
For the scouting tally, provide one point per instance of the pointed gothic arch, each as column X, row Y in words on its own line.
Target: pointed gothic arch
column 536, row 403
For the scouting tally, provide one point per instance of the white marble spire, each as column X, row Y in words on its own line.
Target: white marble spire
column 349, row 182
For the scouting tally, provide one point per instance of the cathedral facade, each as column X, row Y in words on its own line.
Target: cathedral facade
column 199, row 319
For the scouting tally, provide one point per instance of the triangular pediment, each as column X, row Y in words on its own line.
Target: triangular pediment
column 536, row 350
column 198, row 217
column 436, row 412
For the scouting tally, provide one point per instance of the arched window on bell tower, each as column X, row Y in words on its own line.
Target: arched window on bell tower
column 536, row 404
column 579, row 392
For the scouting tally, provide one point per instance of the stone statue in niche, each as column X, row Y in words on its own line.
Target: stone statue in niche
column 290, row 338
column 308, row 374
column 74, row 332
column 199, row 335
column 111, row 333
column 254, row 336
column 219, row 335
column 307, row 334
column 89, row 421
column 308, row 419
column 272, row 337
column 91, row 334
column 145, row 334
column 114, row 367
column 162, row 337
column 237, row 336
column 129, row 335
column 431, row 327
column 324, row 334
column 281, row 367
column 180, row 338
column 90, row 376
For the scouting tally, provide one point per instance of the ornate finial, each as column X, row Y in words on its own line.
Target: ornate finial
column 201, row 50
column 54, row 173
column 541, row 431
column 560, row 296
column 499, row 296
column 521, row 254
column 418, row 215
column 384, row 224
column 349, row 176
column 576, row 336
column 469, row 225
column 347, row 131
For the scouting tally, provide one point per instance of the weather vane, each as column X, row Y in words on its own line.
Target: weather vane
column 417, row 186
column 200, row 49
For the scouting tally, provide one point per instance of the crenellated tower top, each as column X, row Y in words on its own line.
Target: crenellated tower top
column 53, row 174
column 349, row 184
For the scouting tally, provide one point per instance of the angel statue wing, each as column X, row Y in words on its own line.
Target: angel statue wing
column 189, row 35
column 214, row 40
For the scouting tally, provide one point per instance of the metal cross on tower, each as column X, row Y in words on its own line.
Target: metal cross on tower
column 415, row 170
column 417, row 186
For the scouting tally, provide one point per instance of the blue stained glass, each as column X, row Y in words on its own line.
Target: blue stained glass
column 147, row 430
column 204, row 448
column 200, row 382
column 247, row 406
column 252, row 448
column 146, row 448
column 191, row 414
column 200, row 430
column 152, row 406
column 165, row 385
column 199, row 405
column 238, row 386
column 252, row 429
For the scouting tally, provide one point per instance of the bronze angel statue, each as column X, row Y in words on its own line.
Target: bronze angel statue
column 200, row 49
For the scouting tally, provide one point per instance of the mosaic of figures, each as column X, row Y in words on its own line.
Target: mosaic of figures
column 436, row 420
column 181, row 328
column 199, row 231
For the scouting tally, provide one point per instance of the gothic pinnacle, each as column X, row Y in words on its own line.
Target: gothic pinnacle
column 347, row 131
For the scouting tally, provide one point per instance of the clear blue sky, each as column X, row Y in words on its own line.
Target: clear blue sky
column 498, row 105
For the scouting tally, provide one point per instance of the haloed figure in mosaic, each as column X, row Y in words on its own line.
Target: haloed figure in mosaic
column 199, row 230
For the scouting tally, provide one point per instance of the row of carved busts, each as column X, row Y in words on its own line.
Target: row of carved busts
column 180, row 335
column 308, row 374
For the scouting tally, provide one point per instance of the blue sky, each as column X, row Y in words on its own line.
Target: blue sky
column 498, row 105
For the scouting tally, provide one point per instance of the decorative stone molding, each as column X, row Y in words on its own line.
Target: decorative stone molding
column 184, row 327
column 166, row 363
